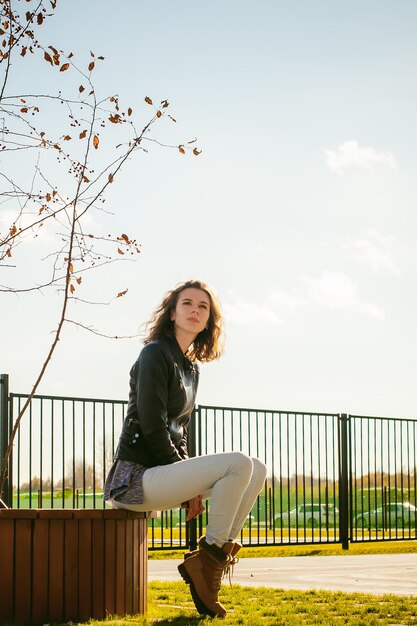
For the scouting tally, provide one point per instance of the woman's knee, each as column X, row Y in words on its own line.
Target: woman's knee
column 260, row 470
column 242, row 463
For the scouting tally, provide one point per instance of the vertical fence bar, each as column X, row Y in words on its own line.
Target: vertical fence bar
column 343, row 482
column 191, row 526
column 4, row 434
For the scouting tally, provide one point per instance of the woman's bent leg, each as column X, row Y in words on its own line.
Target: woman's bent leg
column 249, row 497
column 227, row 475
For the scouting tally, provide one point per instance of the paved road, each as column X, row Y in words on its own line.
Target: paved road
column 376, row 573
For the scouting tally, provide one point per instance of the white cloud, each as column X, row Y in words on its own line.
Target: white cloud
column 285, row 301
column 328, row 291
column 242, row 312
column 336, row 290
column 374, row 250
column 351, row 155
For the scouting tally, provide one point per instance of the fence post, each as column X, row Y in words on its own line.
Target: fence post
column 4, row 431
column 343, row 482
column 192, row 451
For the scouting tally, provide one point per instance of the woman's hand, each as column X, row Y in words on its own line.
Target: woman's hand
column 194, row 507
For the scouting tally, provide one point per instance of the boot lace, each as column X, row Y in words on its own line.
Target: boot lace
column 228, row 569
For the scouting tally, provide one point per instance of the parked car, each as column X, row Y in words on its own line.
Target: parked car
column 396, row 515
column 309, row 515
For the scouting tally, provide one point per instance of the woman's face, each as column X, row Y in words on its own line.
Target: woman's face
column 192, row 312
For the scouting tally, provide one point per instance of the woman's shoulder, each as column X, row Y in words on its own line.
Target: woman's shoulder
column 157, row 349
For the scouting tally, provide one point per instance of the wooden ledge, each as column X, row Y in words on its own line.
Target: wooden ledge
column 70, row 514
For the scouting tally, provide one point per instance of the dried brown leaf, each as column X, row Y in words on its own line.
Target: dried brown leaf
column 83, row 134
column 48, row 58
column 39, row 19
column 181, row 149
column 81, row 88
column 110, row 178
column 91, row 66
column 158, row 114
column 196, row 152
column 122, row 293
column 79, row 279
column 115, row 118
column 72, row 288
column 67, row 138
column 96, row 141
column 129, row 111
column 120, row 251
column 64, row 67
column 24, row 110
column 148, row 100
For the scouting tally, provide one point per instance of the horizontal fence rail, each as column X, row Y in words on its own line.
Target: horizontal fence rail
column 331, row 478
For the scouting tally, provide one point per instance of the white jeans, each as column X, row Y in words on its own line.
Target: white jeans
column 231, row 479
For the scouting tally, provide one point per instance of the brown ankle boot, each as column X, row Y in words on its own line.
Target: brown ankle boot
column 235, row 549
column 203, row 571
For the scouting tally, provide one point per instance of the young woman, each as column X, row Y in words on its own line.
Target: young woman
column 152, row 470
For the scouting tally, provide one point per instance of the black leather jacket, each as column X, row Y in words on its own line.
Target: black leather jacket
column 163, row 386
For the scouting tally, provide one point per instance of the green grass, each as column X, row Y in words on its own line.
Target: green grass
column 379, row 547
column 170, row 603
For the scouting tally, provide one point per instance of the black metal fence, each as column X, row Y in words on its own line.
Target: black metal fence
column 331, row 477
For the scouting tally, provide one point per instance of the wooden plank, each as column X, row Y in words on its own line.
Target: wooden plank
column 54, row 513
column 71, row 571
column 109, row 566
column 135, row 567
column 122, row 514
column 56, row 570
column 88, row 514
column 129, row 567
column 6, row 569
column 84, row 564
column 97, row 560
column 17, row 514
column 143, row 564
column 23, row 570
column 40, row 570
column 120, row 565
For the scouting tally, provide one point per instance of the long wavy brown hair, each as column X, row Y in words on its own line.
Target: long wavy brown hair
column 208, row 344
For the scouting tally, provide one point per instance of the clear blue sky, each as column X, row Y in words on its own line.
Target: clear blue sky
column 300, row 211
